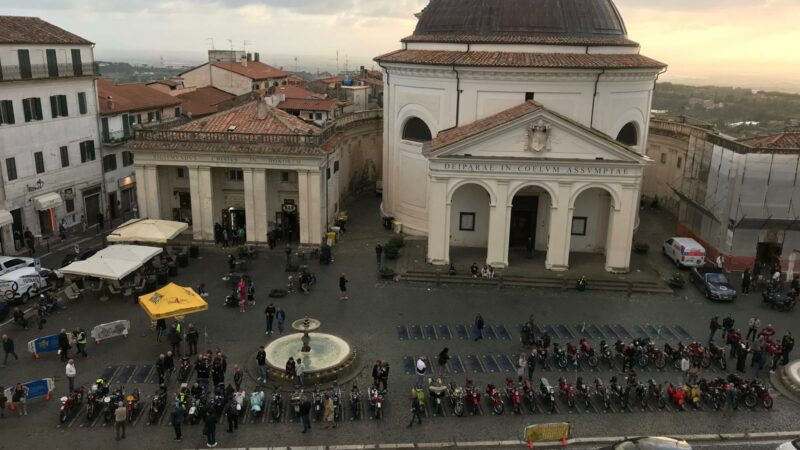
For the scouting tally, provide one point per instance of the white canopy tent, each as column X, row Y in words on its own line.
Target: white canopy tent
column 147, row 230
column 106, row 268
column 126, row 252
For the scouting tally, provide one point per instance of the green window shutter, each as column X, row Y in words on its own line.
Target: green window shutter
column 77, row 64
column 37, row 108
column 126, row 126
column 62, row 105
column 52, row 63
column 104, row 126
column 26, row 109
column 54, row 106
column 24, row 64
column 9, row 107
column 82, row 102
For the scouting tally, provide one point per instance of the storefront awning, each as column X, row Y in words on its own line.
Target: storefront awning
column 5, row 218
column 47, row 201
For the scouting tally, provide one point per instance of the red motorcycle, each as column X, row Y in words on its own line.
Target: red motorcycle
column 762, row 392
column 530, row 395
column 70, row 403
column 677, row 395
column 696, row 352
column 512, row 394
column 567, row 391
column 587, row 351
column 473, row 396
column 494, row 397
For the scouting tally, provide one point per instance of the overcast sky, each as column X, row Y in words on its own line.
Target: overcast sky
column 739, row 41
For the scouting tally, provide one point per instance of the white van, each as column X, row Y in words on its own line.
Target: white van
column 10, row 263
column 684, row 252
column 23, row 284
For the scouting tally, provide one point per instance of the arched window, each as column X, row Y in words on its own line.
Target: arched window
column 629, row 135
column 416, row 130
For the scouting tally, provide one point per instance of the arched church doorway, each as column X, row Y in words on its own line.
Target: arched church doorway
column 528, row 224
column 590, row 227
column 469, row 225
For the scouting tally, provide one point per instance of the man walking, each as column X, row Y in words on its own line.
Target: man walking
column 299, row 371
column 269, row 312
column 261, row 360
column 753, row 325
column 80, row 341
column 8, row 348
column 175, row 339
column 71, row 372
column 415, row 411
column 343, row 287
column 305, row 410
column 713, row 326
column 63, row 345
column 120, row 415
column 161, row 368
column 531, row 364
column 192, row 336
column 479, row 327
column 420, row 370
column 169, row 366
column 280, row 317
column 787, row 344
column 746, row 279
column 384, row 375
column 176, row 419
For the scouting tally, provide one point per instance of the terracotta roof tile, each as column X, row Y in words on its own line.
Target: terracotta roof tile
column 790, row 138
column 296, row 92
column 33, row 30
column 245, row 119
column 203, row 101
column 546, row 39
column 454, row 135
column 519, row 59
column 131, row 97
column 254, row 70
column 307, row 104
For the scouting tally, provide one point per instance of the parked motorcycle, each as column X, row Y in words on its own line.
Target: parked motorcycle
column 184, row 370
column 512, row 394
column 493, row 394
column 582, row 390
column 257, row 402
column 651, row 353
column 567, row 391
column 559, row 356
column 336, row 396
column 678, row 396
column 696, row 352
column 762, row 393
column 473, row 396
column 778, row 300
column 132, row 404
column 355, row 401
column 318, row 406
column 157, row 405
column 437, row 391
column 547, row 394
column 530, row 396
column 276, row 405
column 376, row 399
column 110, row 402
column 654, row 393
column 717, row 355
column 541, row 355
column 587, row 352
column 456, row 396
column 70, row 403
column 622, row 394
column 601, row 392
column 294, row 400
column 606, row 355
column 674, row 354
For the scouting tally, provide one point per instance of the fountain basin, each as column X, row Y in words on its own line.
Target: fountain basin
column 328, row 355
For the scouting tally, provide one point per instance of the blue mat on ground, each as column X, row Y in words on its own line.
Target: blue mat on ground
column 640, row 333
column 565, row 333
column 490, row 364
column 108, row 373
column 402, row 333
column 461, row 331
column 596, row 333
column 623, row 333
column 502, row 332
column 652, row 331
column 444, row 332
column 551, row 331
column 506, row 362
column 474, row 364
column 583, row 330
column 685, row 334
column 408, row 365
column 142, row 373
column 667, row 333
column 456, row 366
column 488, row 332
column 415, row 331
column 124, row 375
column 430, row 332
column 610, row 333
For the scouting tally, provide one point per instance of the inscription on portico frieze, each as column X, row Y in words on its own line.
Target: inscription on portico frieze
column 528, row 168
column 235, row 159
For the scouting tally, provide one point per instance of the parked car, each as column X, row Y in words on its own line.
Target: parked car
column 72, row 257
column 10, row 263
column 650, row 443
column 23, row 284
column 792, row 445
column 684, row 252
column 714, row 284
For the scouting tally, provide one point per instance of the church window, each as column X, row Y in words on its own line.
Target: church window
column 629, row 135
column 416, row 130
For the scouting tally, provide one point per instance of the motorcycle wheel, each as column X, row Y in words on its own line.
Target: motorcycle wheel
column 676, row 363
column 766, row 402
column 571, row 402
column 716, row 404
column 660, row 362
column 62, row 417
column 722, row 363
column 705, row 362
column 498, row 408
column 458, row 409
column 643, row 361
column 593, row 361
column 562, row 363
column 661, row 403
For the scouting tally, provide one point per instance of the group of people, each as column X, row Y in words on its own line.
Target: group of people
column 762, row 343
column 486, row 272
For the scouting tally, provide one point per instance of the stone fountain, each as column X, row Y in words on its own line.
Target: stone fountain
column 324, row 355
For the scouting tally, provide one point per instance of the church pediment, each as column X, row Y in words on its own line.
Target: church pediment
column 530, row 131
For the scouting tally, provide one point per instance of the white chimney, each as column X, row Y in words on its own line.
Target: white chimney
column 110, row 102
column 263, row 109
column 244, row 60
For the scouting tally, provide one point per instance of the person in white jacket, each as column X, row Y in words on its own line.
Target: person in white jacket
column 71, row 372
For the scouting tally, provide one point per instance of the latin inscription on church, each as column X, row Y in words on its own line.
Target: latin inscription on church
column 531, row 168
column 229, row 159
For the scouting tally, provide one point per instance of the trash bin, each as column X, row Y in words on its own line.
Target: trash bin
column 194, row 251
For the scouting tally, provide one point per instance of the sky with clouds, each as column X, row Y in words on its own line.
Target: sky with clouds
column 739, row 41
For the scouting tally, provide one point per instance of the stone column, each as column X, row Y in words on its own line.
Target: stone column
column 497, row 248
column 260, row 204
column 201, row 191
column 314, row 200
column 148, row 191
column 249, row 205
column 621, row 220
column 438, row 222
column 302, row 207
column 8, row 240
column 560, row 230
column 141, row 189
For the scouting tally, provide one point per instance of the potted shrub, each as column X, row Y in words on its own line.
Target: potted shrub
column 391, row 250
column 641, row 247
column 386, row 273
column 676, row 280
column 398, row 240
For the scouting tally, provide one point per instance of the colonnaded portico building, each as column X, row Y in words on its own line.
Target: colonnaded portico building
column 517, row 123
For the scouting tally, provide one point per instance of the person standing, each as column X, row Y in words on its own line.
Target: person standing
column 269, row 312
column 225, row 238
column 169, row 366
column 210, row 429
column 376, row 373
column 685, row 366
column 8, row 348
column 343, row 287
column 192, row 336
column 176, row 419
column 241, row 290
column 80, row 341
column 19, row 399
column 479, row 327
column 384, row 378
column 280, row 317
column 203, row 372
column 120, row 416
column 444, row 357
column 787, row 345
column 746, row 280
column 741, row 358
column 727, row 326
column 251, row 292
column 713, row 326
column 30, row 241
column 415, row 411
column 233, row 417
column 420, row 370
column 327, row 414
column 752, row 328
column 161, row 326
column 175, row 339
column 305, row 410
column 100, row 219
column 161, row 368
column 521, row 366
column 2, row 402
column 290, row 368
column 217, row 372
column 378, row 254
column 299, row 371
column 70, row 371
column 63, row 345
column 237, row 377
column 261, row 361
column 531, row 364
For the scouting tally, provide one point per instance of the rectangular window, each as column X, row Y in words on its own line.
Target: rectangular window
column 82, row 103
column 38, row 159
column 109, row 163
column 178, row 111
column 236, row 175
column 32, row 108
column 127, row 158
column 680, row 162
column 528, row 96
column 87, row 151
column 6, row 112
column 24, row 64
column 335, row 166
column 158, row 116
column 52, row 63
column 58, row 106
column 151, row 116
column 64, row 156
column 69, row 200
column 180, row 172
column 126, row 126
column 466, row 221
column 284, row 176
column 327, row 173
column 77, row 64
column 663, row 158
column 318, row 116
column 105, row 133
column 11, row 169
column 311, row 116
column 579, row 226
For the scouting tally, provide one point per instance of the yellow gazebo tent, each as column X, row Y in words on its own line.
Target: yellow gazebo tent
column 172, row 301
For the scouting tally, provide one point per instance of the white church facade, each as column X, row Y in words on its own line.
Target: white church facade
column 516, row 124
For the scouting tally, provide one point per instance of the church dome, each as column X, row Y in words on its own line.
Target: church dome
column 579, row 22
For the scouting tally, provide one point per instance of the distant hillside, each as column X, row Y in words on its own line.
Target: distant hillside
column 737, row 112
column 120, row 72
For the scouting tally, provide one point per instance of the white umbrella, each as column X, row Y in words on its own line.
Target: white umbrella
column 147, row 230
column 106, row 268
column 136, row 253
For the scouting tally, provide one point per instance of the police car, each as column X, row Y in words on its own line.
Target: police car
column 22, row 284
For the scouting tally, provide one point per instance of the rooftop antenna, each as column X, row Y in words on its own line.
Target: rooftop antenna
column 245, row 43
column 337, row 62
column 346, row 63
column 230, row 41
column 210, row 41
column 295, row 63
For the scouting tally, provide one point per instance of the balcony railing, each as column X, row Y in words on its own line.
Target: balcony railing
column 44, row 71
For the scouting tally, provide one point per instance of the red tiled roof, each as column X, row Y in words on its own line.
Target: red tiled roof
column 33, row 30
column 454, row 135
column 519, row 59
column 296, row 92
column 131, row 97
column 245, row 119
column 330, row 80
column 790, row 138
column 203, row 101
column 307, row 104
column 254, row 70
column 546, row 39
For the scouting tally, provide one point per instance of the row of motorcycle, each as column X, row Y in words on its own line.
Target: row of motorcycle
column 100, row 400
column 643, row 351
